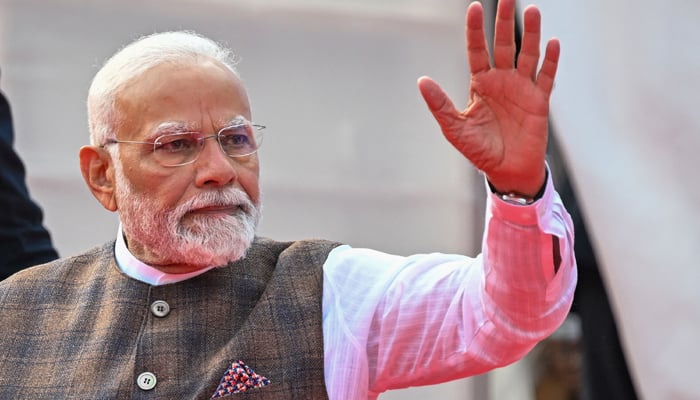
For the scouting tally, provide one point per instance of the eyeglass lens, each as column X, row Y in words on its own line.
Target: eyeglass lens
column 182, row 148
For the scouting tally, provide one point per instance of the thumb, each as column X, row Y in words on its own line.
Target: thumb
column 438, row 102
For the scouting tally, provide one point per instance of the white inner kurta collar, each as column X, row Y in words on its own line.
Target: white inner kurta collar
column 143, row 272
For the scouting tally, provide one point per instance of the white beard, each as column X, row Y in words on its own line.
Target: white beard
column 176, row 237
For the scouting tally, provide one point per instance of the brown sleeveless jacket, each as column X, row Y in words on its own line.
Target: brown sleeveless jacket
column 78, row 328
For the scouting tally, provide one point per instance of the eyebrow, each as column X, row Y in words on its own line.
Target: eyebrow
column 173, row 127
column 167, row 128
column 235, row 120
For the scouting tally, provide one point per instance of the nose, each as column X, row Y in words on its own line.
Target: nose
column 213, row 167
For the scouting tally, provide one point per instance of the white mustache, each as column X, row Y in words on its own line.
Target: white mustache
column 231, row 197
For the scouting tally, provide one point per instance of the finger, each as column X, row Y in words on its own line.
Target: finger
column 438, row 103
column 504, row 39
column 477, row 51
column 545, row 78
column 530, row 48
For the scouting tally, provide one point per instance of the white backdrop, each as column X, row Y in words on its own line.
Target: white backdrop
column 625, row 107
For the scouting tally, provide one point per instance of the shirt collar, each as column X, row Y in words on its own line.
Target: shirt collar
column 134, row 268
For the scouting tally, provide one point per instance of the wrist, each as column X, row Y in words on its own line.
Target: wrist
column 517, row 198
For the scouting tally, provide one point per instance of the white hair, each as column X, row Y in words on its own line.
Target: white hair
column 135, row 59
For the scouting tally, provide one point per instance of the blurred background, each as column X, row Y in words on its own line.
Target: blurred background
column 352, row 154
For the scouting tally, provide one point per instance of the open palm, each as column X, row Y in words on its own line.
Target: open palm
column 503, row 130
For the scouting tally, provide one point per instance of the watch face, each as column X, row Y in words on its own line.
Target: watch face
column 516, row 199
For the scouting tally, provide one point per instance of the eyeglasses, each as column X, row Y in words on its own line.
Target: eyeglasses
column 172, row 150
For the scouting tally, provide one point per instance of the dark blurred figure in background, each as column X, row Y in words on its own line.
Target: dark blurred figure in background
column 24, row 241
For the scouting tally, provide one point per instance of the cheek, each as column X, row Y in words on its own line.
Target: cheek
column 172, row 191
column 248, row 178
column 165, row 189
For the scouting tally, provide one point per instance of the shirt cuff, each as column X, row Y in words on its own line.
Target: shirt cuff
column 525, row 215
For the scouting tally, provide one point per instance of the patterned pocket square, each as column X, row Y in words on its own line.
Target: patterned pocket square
column 239, row 378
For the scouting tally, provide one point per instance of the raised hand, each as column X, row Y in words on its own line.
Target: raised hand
column 503, row 130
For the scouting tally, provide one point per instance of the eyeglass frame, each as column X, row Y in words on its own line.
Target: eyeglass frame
column 200, row 140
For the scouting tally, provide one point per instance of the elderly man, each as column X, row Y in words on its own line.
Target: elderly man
column 189, row 303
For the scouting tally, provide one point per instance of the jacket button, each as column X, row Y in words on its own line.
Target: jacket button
column 160, row 308
column 146, row 380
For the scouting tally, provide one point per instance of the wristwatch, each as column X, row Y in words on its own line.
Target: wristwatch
column 519, row 199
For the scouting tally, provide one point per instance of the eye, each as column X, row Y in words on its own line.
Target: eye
column 236, row 137
column 175, row 143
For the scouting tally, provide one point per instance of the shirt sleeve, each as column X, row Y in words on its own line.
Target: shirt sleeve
column 393, row 322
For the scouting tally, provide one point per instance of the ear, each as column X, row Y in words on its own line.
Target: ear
column 98, row 172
